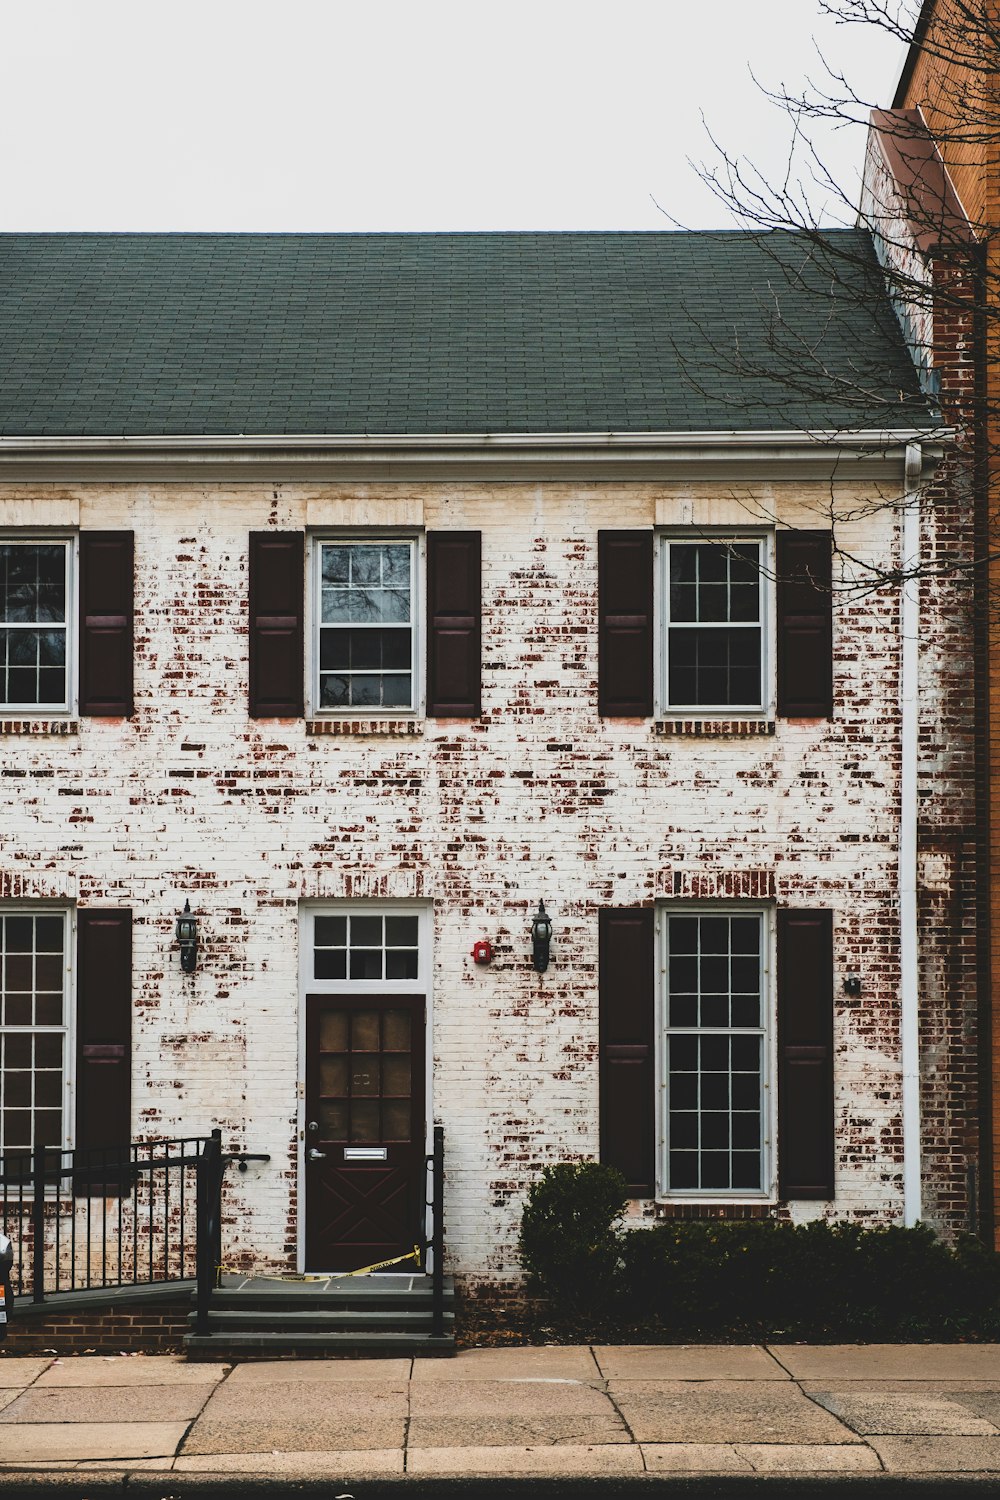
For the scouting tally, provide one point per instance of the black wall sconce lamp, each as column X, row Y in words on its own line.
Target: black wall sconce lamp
column 187, row 937
column 541, row 937
column 852, row 985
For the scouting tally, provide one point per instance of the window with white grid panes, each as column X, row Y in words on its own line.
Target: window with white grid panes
column 366, row 946
column 34, row 624
column 713, row 603
column 33, row 1030
column 715, row 1052
column 366, row 625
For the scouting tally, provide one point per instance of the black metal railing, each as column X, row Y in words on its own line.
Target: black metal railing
column 212, row 1164
column 434, row 1241
column 102, row 1218
column 211, row 1169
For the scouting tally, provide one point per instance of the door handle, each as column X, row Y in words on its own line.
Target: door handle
column 315, row 1155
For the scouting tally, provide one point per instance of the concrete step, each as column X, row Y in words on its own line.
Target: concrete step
column 320, row 1319
column 416, row 1298
column 261, row 1319
column 314, row 1345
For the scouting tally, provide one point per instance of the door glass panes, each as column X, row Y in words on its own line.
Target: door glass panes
column 366, row 625
column 396, row 1076
column 715, row 1052
column 33, row 624
column 32, row 1030
column 333, row 1076
column 365, row 1069
column 714, row 622
column 361, row 946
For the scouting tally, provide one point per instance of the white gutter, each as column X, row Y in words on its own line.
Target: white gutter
column 869, row 439
column 453, row 457
column 909, row 972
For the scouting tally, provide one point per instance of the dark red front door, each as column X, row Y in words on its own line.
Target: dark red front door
column 364, row 1140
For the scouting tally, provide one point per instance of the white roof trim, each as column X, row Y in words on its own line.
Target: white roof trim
column 457, row 458
column 869, row 439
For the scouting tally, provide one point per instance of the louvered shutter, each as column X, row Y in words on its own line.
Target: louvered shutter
column 804, row 561
column 277, row 639
column 626, row 1045
column 454, row 608
column 805, row 1054
column 107, row 561
column 625, row 625
column 104, row 1050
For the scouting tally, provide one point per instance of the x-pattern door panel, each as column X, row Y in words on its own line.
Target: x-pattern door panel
column 364, row 1128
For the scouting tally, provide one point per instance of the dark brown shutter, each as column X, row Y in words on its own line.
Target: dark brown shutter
column 454, row 669
column 625, row 627
column 626, row 1041
column 805, row 1054
column 106, row 635
column 804, row 566
column 104, row 1050
column 277, row 584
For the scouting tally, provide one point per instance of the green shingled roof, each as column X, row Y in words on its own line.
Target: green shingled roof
column 271, row 334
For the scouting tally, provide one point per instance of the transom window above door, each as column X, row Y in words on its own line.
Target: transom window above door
column 366, row 946
column 366, row 625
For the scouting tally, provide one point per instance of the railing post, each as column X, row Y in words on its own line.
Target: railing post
column 208, row 1229
column 218, row 1171
column 437, row 1285
column 38, row 1224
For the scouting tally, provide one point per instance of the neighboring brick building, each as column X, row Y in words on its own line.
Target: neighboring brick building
column 365, row 591
column 932, row 197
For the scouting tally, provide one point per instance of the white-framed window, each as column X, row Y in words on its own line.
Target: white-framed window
column 366, row 946
column 35, row 1029
column 716, row 1037
column 36, row 633
column 366, row 634
column 714, row 623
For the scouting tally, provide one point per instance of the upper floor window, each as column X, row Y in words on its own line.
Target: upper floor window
column 35, row 596
column 391, row 627
column 366, row 651
column 727, row 642
column 713, row 608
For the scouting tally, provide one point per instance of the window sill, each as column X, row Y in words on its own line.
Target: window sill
column 39, row 726
column 759, row 1208
column 361, row 728
column 713, row 728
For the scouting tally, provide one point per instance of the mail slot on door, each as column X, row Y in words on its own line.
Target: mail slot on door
column 366, row 1153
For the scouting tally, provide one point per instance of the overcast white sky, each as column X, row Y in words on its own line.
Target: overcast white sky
column 381, row 114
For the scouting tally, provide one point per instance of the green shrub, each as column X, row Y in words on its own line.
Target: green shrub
column 569, row 1244
column 765, row 1279
column 747, row 1280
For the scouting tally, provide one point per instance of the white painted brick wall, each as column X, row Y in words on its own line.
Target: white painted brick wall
column 481, row 819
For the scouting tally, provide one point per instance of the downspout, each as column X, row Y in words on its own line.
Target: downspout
column 981, row 1208
column 909, row 972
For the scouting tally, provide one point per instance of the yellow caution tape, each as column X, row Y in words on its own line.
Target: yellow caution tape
column 379, row 1265
column 292, row 1276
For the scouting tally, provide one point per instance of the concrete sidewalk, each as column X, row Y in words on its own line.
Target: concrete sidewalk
column 603, row 1412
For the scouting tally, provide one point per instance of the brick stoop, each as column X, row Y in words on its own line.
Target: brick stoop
column 120, row 1320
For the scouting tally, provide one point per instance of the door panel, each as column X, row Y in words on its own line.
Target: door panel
column 365, row 1118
